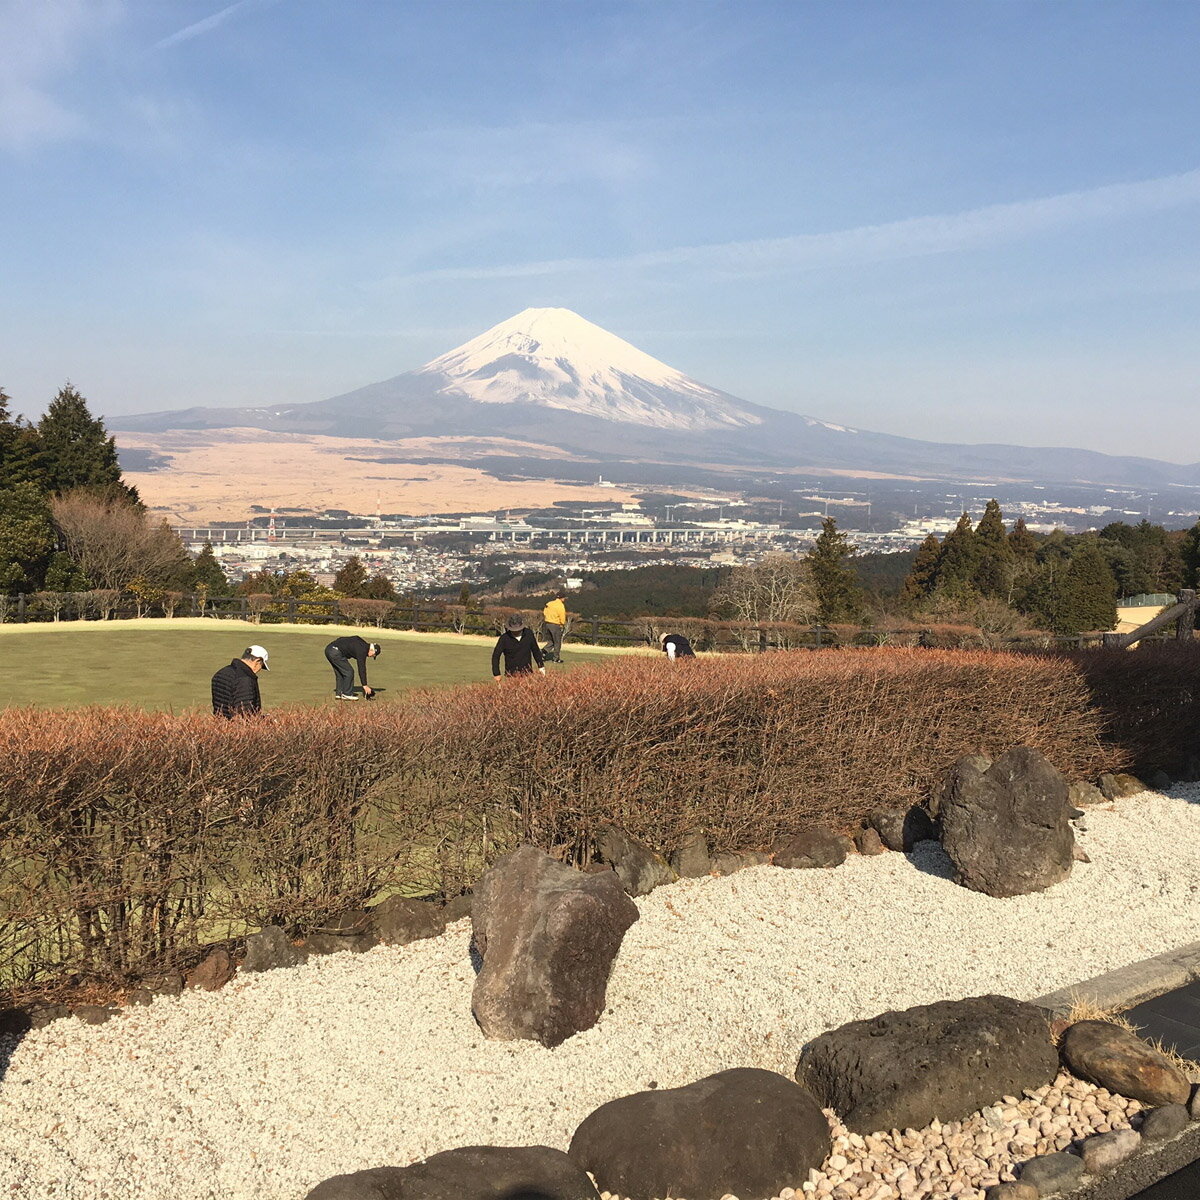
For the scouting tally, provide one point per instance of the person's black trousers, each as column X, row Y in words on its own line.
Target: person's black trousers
column 553, row 648
column 343, row 672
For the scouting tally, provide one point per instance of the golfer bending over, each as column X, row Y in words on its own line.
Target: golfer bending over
column 675, row 645
column 519, row 648
column 340, row 652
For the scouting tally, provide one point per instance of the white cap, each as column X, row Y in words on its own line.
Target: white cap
column 259, row 652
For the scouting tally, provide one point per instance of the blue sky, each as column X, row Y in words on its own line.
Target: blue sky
column 974, row 221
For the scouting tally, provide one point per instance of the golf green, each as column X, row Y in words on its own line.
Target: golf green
column 167, row 664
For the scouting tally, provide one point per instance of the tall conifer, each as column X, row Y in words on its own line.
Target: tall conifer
column 994, row 556
column 836, row 584
column 920, row 579
column 959, row 557
column 76, row 448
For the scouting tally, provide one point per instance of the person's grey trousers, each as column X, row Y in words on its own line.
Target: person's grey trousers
column 553, row 648
column 343, row 672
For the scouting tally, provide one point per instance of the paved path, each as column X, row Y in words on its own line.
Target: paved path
column 1174, row 1017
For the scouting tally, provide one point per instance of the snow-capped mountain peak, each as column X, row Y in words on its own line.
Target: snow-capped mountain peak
column 554, row 358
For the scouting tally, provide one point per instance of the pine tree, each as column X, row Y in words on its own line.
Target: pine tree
column 26, row 537
column 18, row 447
column 1084, row 596
column 207, row 574
column 378, row 587
column 919, row 582
column 838, row 591
column 464, row 595
column 76, row 448
column 1022, row 543
column 1191, row 557
column 351, row 579
column 994, row 556
column 959, row 557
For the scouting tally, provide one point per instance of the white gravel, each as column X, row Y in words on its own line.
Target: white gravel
column 261, row 1090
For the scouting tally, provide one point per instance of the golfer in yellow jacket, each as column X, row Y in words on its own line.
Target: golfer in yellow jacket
column 554, row 617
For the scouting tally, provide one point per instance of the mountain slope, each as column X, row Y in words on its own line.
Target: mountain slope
column 549, row 376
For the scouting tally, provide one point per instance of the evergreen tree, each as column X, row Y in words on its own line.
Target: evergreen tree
column 63, row 574
column 351, row 579
column 1087, row 594
column 959, row 557
column 18, row 447
column 839, row 593
column 1191, row 557
column 921, row 577
column 27, row 537
column 1021, row 542
column 994, row 556
column 464, row 595
column 379, row 587
column 207, row 574
column 76, row 448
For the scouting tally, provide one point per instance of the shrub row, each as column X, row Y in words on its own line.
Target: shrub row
column 130, row 837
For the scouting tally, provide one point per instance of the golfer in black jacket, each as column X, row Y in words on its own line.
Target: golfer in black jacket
column 235, row 687
column 340, row 653
column 519, row 649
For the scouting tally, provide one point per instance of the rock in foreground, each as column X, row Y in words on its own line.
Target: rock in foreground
column 470, row 1173
column 745, row 1131
column 548, row 935
column 1113, row 1058
column 1007, row 829
column 946, row 1060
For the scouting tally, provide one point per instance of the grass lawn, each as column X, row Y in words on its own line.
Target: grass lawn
column 161, row 664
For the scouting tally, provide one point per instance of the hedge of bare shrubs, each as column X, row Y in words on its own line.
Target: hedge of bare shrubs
column 129, row 837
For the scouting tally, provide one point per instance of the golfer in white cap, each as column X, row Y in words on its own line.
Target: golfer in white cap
column 235, row 687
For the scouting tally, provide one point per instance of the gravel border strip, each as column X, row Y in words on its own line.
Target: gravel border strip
column 1131, row 985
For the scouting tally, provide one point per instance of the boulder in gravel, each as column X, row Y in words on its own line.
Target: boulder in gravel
column 812, row 846
column 691, row 860
column 746, row 1131
column 547, row 935
column 946, row 1060
column 1104, row 1151
column 1012, row 1191
column 731, row 861
column 936, row 799
column 458, row 907
column 638, row 868
column 1165, row 1122
column 903, row 828
column 270, row 949
column 1007, row 829
column 15, row 1022
column 94, row 1014
column 399, row 920
column 42, row 1014
column 469, row 1173
column 1051, row 1173
column 1118, row 786
column 868, row 841
column 353, row 930
column 1159, row 780
column 1081, row 794
column 212, row 972
column 1113, row 1058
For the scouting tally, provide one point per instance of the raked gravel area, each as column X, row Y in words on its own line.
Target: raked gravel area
column 261, row 1090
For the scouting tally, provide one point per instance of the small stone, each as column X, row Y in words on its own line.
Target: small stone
column 1051, row 1173
column 868, row 841
column 1165, row 1122
column 691, row 859
column 1079, row 854
column 1110, row 1056
column 94, row 1014
column 269, row 950
column 1012, row 1191
column 458, row 907
column 214, row 971
column 1104, row 1151
column 1119, row 786
column 1194, row 1104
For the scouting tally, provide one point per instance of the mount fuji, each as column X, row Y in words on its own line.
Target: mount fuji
column 550, row 377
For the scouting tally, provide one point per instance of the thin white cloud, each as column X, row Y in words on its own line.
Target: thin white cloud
column 910, row 238
column 208, row 24
column 43, row 40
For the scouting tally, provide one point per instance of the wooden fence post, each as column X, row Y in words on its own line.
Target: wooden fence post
column 21, row 607
column 595, row 631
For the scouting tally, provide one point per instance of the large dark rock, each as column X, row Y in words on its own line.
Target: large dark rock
column 813, row 846
column 547, row 935
column 399, row 920
column 270, row 949
column 1118, row 786
column 744, row 1131
column 903, row 828
column 934, row 802
column 638, row 868
column 352, row 930
column 900, row 1070
column 1113, row 1058
column 1007, row 830
column 470, row 1173
column 1081, row 794
column 691, row 859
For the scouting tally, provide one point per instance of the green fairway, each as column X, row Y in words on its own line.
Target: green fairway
column 163, row 664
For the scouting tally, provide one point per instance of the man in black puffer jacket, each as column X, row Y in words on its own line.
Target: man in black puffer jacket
column 235, row 687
